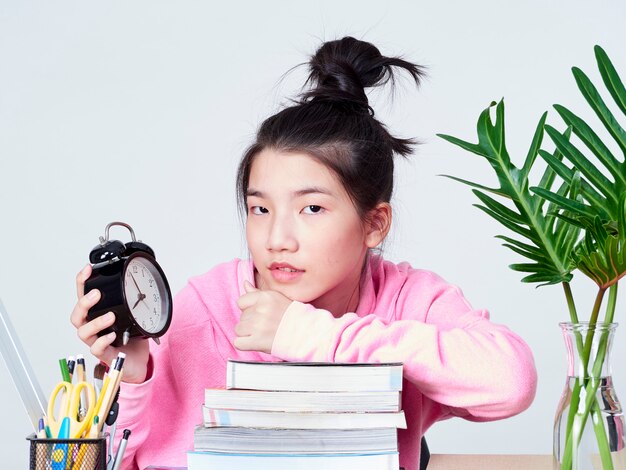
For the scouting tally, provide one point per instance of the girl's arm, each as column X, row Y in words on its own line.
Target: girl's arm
column 454, row 354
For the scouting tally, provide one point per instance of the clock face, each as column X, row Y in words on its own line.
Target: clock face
column 146, row 294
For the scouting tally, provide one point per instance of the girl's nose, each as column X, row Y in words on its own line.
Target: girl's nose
column 281, row 236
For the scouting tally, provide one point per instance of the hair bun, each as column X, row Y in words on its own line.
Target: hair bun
column 340, row 71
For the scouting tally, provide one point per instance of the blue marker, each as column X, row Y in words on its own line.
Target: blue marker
column 41, row 434
column 59, row 451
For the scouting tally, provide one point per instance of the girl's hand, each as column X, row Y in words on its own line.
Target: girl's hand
column 137, row 350
column 262, row 311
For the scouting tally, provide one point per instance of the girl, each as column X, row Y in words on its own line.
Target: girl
column 316, row 187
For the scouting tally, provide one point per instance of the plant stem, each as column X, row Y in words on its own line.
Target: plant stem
column 575, row 397
column 589, row 383
column 570, row 302
column 603, row 443
column 592, row 324
column 610, row 308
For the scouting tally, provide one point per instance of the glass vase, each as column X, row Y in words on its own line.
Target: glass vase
column 589, row 425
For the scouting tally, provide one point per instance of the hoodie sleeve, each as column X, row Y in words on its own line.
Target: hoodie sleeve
column 452, row 353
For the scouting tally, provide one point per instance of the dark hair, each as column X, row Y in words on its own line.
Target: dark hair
column 334, row 124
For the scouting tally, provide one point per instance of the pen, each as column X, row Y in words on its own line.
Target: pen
column 80, row 373
column 115, row 376
column 41, row 434
column 111, row 420
column 80, row 367
column 70, row 366
column 120, row 450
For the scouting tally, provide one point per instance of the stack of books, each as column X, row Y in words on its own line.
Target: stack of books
column 288, row 415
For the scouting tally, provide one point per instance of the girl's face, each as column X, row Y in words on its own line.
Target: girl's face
column 306, row 238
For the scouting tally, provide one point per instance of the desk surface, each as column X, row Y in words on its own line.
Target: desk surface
column 470, row 462
column 484, row 462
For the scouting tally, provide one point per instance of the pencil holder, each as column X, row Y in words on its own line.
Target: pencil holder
column 62, row 454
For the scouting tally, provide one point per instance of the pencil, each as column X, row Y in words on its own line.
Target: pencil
column 115, row 376
column 101, row 405
column 65, row 372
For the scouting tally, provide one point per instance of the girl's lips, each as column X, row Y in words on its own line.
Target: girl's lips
column 282, row 272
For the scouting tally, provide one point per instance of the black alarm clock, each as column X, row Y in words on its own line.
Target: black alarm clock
column 132, row 285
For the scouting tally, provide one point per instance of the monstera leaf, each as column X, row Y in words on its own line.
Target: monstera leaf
column 582, row 226
column 545, row 240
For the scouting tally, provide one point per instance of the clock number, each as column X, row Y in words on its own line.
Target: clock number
column 155, row 297
column 150, row 282
column 135, row 269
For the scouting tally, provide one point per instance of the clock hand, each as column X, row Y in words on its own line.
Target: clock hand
column 140, row 297
column 136, row 285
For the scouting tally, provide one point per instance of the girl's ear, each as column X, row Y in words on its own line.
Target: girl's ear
column 378, row 224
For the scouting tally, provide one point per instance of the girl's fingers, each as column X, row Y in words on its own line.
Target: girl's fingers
column 79, row 314
column 81, row 277
column 248, row 287
column 101, row 346
column 89, row 331
column 248, row 300
column 244, row 343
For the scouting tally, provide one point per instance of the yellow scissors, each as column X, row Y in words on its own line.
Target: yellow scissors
column 70, row 405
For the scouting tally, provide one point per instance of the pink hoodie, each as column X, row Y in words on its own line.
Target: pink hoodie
column 452, row 356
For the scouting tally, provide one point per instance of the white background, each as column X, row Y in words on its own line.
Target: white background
column 140, row 111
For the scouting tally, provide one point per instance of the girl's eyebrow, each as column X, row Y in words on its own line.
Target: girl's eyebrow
column 312, row 190
column 254, row 193
column 251, row 192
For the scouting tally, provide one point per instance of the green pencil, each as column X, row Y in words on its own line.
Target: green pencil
column 65, row 371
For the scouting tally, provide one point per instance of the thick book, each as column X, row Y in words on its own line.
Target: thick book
column 219, row 461
column 302, row 420
column 295, row 441
column 314, row 376
column 338, row 402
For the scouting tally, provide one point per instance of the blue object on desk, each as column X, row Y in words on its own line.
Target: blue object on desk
column 59, row 451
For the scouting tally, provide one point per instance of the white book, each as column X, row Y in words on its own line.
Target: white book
column 348, row 402
column 295, row 441
column 313, row 376
column 218, row 461
column 302, row 420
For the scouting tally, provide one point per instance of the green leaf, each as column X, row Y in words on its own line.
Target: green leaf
column 464, row 145
column 507, row 223
column 601, row 256
column 596, row 102
column 593, row 143
column 547, row 280
column 611, row 79
column 498, row 208
column 529, row 248
column 525, row 218
column 553, row 209
column 567, row 204
column 539, row 258
column 589, row 193
column 534, row 147
column 587, row 168
column 529, row 268
column 476, row 185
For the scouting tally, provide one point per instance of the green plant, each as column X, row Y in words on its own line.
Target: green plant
column 573, row 219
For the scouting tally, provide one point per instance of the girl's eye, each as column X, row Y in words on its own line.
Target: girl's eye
column 313, row 209
column 258, row 210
